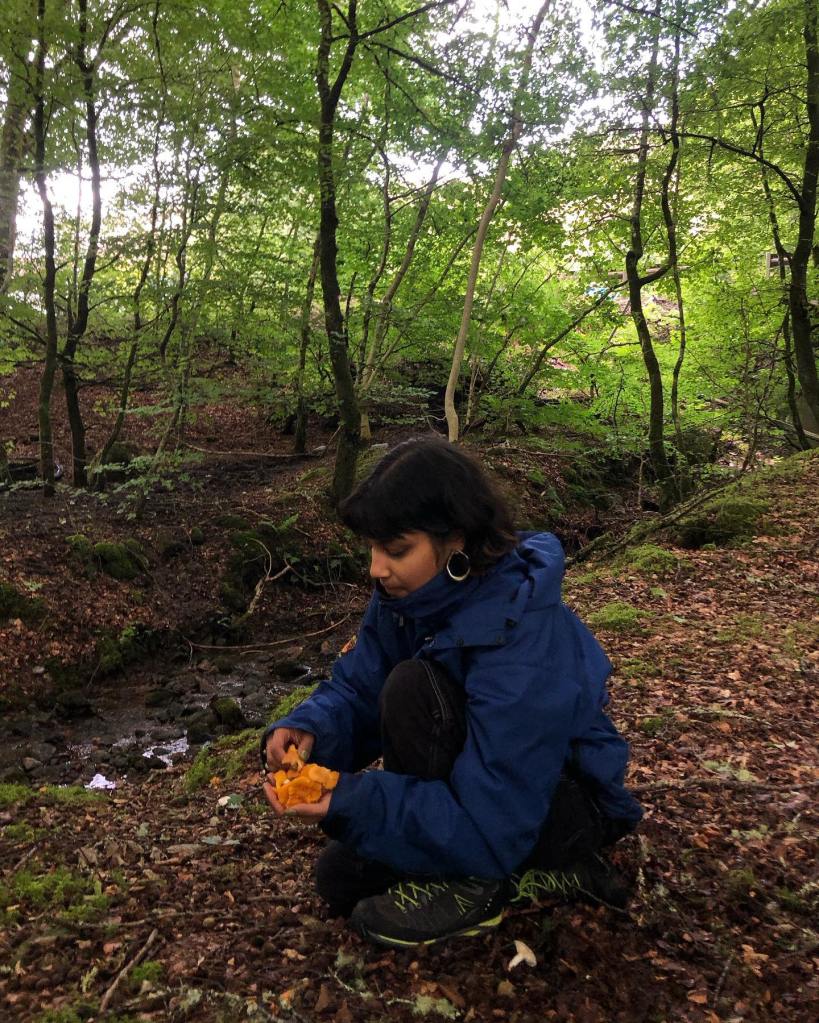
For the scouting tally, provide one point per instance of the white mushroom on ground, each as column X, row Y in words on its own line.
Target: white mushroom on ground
column 523, row 954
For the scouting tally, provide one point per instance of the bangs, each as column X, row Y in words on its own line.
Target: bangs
column 383, row 508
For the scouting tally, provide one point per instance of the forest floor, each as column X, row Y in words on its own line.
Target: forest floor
column 178, row 896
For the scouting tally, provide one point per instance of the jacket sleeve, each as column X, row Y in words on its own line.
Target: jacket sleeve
column 342, row 712
column 522, row 701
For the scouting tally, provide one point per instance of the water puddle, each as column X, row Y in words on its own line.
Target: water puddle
column 165, row 751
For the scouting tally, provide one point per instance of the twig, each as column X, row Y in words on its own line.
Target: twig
column 26, row 857
column 264, row 646
column 721, row 783
column 260, row 585
column 721, row 981
column 109, row 994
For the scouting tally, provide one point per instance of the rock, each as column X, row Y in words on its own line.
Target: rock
column 42, row 751
column 155, row 763
column 201, row 728
column 73, row 704
column 12, row 775
column 228, row 713
column 158, row 697
column 31, row 764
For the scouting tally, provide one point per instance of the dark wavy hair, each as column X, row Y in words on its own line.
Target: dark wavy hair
column 426, row 484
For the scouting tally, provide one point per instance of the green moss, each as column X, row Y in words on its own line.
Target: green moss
column 636, row 667
column 122, row 561
column 11, row 794
column 800, row 638
column 654, row 725
column 72, row 795
column 14, row 604
column 742, row 627
column 197, row 536
column 58, row 887
column 21, row 833
column 720, row 521
column 291, row 701
column 151, row 970
column 648, row 559
column 616, row 616
column 87, row 909
column 203, row 768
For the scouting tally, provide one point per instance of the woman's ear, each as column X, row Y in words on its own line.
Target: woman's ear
column 455, row 541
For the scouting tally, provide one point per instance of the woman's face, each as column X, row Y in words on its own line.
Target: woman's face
column 406, row 563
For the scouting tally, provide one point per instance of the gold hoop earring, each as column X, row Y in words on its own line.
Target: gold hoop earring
column 461, row 569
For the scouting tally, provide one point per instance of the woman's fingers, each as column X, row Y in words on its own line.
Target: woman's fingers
column 305, row 744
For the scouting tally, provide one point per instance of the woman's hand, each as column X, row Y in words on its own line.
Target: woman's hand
column 280, row 739
column 308, row 812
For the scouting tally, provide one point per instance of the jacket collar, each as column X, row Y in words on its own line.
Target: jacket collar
column 434, row 600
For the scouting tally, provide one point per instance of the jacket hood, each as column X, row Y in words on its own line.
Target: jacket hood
column 529, row 576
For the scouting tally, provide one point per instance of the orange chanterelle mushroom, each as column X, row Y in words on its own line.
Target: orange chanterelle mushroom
column 298, row 782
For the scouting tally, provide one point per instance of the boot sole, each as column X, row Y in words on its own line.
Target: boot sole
column 467, row 932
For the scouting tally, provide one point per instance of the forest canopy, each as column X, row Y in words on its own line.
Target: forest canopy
column 596, row 215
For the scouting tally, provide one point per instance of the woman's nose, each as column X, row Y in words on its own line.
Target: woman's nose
column 378, row 566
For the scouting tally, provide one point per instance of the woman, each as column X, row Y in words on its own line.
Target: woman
column 482, row 692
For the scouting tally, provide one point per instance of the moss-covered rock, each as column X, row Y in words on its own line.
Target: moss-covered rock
column 732, row 517
column 228, row 713
column 197, row 536
column 123, row 561
column 14, row 604
column 231, row 521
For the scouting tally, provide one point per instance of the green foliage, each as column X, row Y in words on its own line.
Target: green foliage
column 617, row 616
column 731, row 517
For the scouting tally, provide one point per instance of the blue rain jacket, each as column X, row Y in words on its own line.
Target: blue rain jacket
column 535, row 683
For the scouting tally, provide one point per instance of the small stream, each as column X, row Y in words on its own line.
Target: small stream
column 147, row 720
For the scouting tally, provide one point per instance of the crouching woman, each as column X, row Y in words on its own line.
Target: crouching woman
column 484, row 695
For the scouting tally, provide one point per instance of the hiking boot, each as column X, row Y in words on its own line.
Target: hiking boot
column 593, row 879
column 423, row 911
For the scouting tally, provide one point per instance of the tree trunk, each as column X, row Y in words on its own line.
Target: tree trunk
column 300, row 438
column 49, row 280
column 800, row 257
column 514, row 133
column 636, row 283
column 79, row 325
column 336, row 326
column 382, row 320
column 12, row 141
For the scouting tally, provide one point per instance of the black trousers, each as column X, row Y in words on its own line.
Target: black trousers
column 423, row 730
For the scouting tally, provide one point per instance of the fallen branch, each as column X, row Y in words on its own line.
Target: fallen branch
column 135, row 961
column 277, row 642
column 722, row 783
column 644, row 529
column 284, row 457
